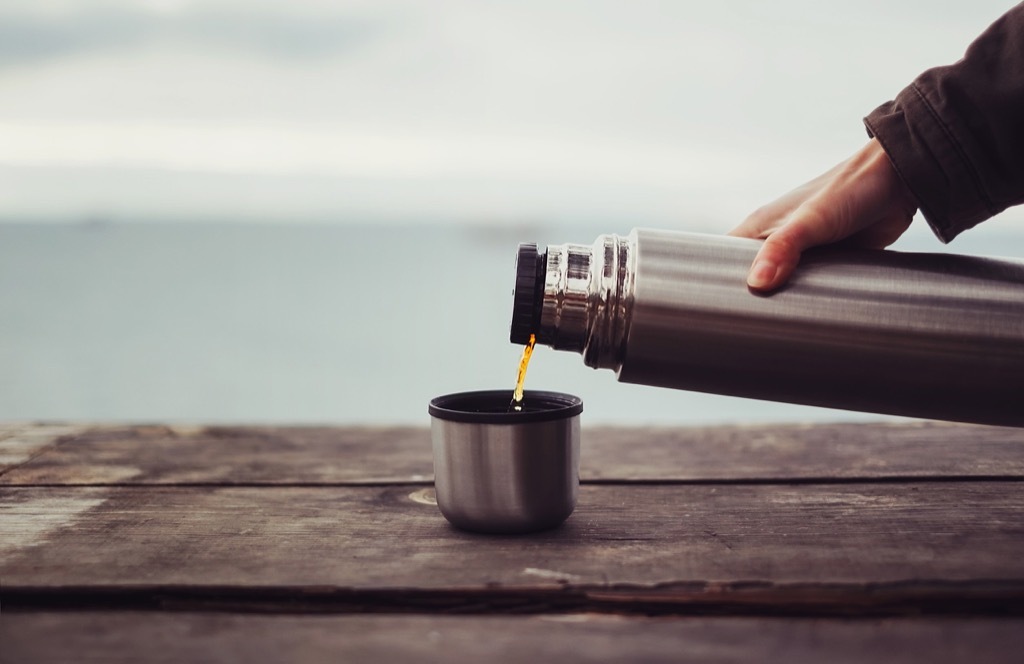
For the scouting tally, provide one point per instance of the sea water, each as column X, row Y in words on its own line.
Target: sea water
column 303, row 323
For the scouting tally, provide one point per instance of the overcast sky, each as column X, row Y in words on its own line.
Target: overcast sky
column 635, row 112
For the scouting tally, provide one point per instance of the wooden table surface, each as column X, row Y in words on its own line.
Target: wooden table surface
column 819, row 543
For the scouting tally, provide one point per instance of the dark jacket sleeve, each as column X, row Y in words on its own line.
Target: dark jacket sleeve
column 956, row 134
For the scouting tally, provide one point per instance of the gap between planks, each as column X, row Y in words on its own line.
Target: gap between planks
column 712, row 481
column 746, row 599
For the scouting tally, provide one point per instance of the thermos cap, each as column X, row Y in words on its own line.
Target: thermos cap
column 529, row 290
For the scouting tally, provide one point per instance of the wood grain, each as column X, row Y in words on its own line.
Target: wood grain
column 115, row 637
column 691, row 540
column 20, row 443
column 154, row 455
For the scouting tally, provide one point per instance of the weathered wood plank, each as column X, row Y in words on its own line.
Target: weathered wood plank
column 318, row 455
column 245, row 455
column 19, row 443
column 683, row 539
column 113, row 637
column 813, row 451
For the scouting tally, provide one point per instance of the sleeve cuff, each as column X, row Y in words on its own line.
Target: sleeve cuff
column 930, row 162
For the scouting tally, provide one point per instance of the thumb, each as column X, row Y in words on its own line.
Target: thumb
column 780, row 253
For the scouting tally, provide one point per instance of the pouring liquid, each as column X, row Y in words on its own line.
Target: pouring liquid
column 524, row 362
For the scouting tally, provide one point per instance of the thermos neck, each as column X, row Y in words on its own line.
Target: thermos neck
column 577, row 297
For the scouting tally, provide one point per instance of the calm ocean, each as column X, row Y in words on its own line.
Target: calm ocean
column 301, row 324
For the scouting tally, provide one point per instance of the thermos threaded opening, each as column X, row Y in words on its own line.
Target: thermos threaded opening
column 528, row 293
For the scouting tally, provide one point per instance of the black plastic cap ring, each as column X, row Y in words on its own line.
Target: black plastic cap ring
column 528, row 293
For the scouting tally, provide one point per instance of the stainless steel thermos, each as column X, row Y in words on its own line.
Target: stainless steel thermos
column 925, row 335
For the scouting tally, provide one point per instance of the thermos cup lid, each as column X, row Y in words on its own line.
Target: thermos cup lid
column 491, row 407
column 502, row 472
column 529, row 290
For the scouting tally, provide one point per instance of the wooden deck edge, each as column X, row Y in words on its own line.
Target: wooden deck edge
column 754, row 598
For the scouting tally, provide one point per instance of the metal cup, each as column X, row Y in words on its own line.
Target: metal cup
column 497, row 471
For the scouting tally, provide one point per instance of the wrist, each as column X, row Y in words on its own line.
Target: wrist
column 884, row 172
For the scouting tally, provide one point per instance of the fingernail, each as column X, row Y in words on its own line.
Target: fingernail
column 762, row 274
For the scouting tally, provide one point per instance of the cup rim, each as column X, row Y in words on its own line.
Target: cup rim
column 469, row 407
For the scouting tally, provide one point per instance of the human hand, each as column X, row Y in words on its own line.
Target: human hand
column 861, row 200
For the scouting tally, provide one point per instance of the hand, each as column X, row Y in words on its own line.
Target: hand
column 862, row 199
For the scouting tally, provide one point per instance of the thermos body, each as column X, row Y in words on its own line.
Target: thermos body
column 924, row 335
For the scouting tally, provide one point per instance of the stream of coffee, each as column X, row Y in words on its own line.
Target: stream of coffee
column 524, row 362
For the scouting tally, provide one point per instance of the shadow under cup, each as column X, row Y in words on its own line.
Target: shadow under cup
column 497, row 471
